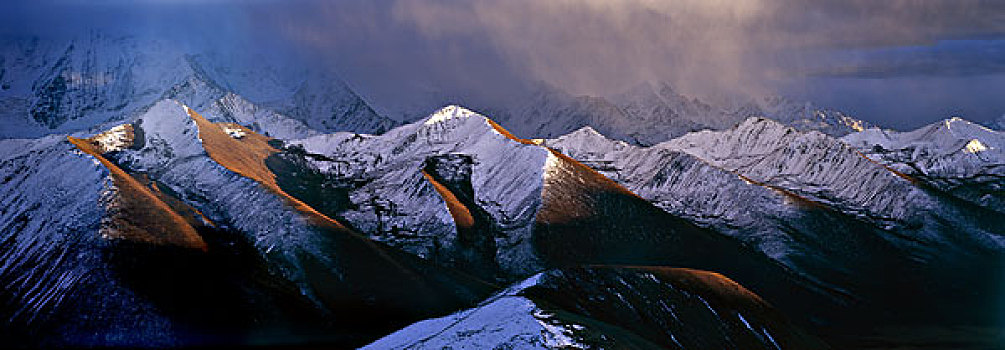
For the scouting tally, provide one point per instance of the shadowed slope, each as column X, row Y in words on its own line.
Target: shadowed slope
column 611, row 307
column 676, row 308
column 586, row 218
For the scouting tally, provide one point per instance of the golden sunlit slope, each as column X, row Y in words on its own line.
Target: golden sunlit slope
column 246, row 156
column 136, row 213
column 461, row 214
column 707, row 282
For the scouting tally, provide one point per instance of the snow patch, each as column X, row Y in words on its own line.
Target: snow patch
column 556, row 335
column 233, row 131
column 975, row 146
column 550, row 166
column 115, row 139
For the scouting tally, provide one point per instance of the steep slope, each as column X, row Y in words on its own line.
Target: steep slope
column 611, row 307
column 82, row 83
column 962, row 158
column 48, row 222
column 333, row 266
column 77, row 84
column 394, row 202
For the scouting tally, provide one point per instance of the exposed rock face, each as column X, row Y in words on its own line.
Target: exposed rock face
column 477, row 231
column 135, row 213
column 95, row 257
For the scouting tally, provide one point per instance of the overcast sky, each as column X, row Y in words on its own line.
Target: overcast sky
column 899, row 63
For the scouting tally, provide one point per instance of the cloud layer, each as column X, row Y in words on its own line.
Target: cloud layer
column 704, row 47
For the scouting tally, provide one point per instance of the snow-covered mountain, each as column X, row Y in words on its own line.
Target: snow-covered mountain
column 808, row 167
column 173, row 193
column 93, row 80
column 823, row 169
column 650, row 113
column 459, row 190
column 816, row 205
column 964, row 159
column 807, row 200
column 189, row 225
column 94, row 256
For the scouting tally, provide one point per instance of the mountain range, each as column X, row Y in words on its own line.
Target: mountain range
column 162, row 198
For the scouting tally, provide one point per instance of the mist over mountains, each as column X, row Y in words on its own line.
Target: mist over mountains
column 70, row 85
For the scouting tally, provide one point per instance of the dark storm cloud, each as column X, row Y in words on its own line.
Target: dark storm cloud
column 401, row 52
column 704, row 47
column 946, row 58
column 717, row 43
column 186, row 22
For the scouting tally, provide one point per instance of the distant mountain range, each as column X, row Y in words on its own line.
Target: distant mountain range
column 59, row 86
column 651, row 113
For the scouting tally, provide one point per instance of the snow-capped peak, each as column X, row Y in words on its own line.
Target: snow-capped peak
column 947, row 154
column 588, row 131
column 944, row 137
column 960, row 125
column 448, row 113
